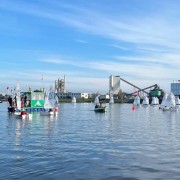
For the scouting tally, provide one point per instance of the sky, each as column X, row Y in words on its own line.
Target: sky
column 87, row 41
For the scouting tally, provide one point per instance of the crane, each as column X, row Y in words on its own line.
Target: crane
column 140, row 89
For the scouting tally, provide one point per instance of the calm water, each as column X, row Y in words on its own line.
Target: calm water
column 82, row 144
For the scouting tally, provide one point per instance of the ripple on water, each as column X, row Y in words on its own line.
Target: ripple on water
column 82, row 144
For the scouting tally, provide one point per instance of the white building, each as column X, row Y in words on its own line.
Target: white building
column 114, row 84
column 71, row 95
column 175, row 88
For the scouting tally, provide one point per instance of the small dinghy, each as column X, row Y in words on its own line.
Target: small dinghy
column 100, row 109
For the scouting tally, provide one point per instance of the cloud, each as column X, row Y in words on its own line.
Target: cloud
column 55, row 61
column 81, row 41
column 149, row 30
column 151, row 40
column 120, row 47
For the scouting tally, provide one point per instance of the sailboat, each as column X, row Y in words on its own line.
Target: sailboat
column 17, row 100
column 145, row 100
column 50, row 103
column 154, row 101
column 163, row 100
column 111, row 100
column 73, row 100
column 96, row 101
column 137, row 101
column 170, row 104
column 18, row 111
column 98, row 107
column 157, row 101
column 177, row 100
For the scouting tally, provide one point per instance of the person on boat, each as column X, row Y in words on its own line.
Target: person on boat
column 50, row 110
column 22, row 101
column 101, row 106
column 23, row 112
column 97, row 106
column 10, row 101
column 15, row 101
column 25, row 101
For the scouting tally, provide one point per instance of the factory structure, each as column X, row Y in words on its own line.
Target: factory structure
column 114, row 84
column 60, row 85
column 60, row 89
column 150, row 91
column 114, row 88
column 175, row 88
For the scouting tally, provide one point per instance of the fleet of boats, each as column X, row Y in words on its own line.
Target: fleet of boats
column 46, row 103
column 169, row 102
column 23, row 104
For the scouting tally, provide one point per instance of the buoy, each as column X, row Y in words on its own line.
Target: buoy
column 133, row 108
column 56, row 109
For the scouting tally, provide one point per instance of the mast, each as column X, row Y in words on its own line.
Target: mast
column 64, row 84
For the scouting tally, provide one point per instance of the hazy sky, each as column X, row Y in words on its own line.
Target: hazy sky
column 88, row 40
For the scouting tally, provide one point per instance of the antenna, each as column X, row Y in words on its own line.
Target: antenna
column 42, row 78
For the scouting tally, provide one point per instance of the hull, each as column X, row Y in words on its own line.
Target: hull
column 27, row 109
column 47, row 113
column 169, row 109
column 100, row 109
column 24, row 116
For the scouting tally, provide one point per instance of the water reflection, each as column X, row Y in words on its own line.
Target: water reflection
column 79, row 143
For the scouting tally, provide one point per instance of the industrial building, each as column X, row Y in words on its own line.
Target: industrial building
column 71, row 95
column 175, row 88
column 60, row 85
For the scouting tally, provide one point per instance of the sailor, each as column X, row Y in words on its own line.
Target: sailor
column 23, row 112
column 97, row 105
column 25, row 101
column 10, row 101
column 15, row 101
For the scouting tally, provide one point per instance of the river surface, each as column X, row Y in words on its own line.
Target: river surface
column 82, row 144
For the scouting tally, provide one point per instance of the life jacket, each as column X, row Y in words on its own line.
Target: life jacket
column 23, row 112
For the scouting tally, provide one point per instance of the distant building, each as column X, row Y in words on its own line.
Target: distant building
column 71, row 95
column 106, row 96
column 175, row 88
column 60, row 85
column 114, row 84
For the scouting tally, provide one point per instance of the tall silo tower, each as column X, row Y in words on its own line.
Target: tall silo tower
column 114, row 84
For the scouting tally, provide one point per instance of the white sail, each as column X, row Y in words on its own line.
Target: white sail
column 153, row 102
column 96, row 101
column 111, row 100
column 177, row 101
column 145, row 100
column 137, row 101
column 18, row 96
column 164, row 99
column 73, row 100
column 157, row 100
column 51, row 100
column 47, row 102
column 170, row 102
